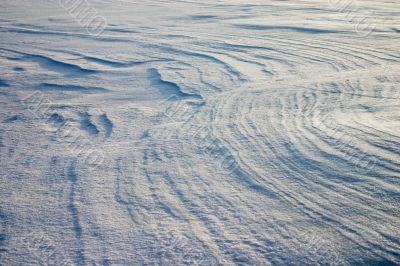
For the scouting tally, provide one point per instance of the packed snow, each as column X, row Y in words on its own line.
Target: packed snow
column 199, row 132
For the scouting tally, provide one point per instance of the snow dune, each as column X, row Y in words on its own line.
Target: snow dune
column 200, row 133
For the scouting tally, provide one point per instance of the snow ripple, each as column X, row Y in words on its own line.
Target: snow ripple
column 264, row 133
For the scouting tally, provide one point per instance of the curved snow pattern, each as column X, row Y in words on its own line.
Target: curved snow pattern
column 229, row 133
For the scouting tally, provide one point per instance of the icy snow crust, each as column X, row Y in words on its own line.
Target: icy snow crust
column 200, row 133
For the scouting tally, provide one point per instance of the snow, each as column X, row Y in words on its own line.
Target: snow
column 200, row 132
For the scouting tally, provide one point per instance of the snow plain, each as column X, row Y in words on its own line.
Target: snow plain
column 200, row 133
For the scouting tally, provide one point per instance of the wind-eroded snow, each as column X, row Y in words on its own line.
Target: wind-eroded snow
column 200, row 132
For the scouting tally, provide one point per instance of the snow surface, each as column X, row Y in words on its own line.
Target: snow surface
column 200, row 132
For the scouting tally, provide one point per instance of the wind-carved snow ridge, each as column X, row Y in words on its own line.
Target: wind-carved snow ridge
column 168, row 87
column 200, row 133
column 107, row 125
